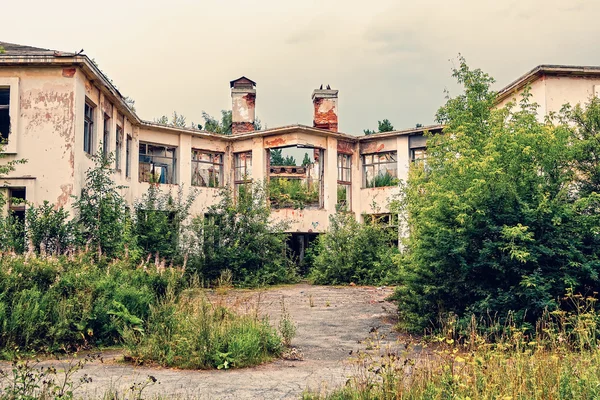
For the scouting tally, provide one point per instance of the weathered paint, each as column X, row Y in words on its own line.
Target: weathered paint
column 48, row 132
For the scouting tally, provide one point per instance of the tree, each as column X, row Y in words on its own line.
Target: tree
column 496, row 222
column 212, row 125
column 103, row 216
column 382, row 126
column 277, row 157
column 306, row 161
column 289, row 160
column 177, row 120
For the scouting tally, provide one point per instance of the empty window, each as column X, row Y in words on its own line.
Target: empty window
column 419, row 155
column 157, row 163
column 128, row 157
column 243, row 172
column 344, row 181
column 4, row 114
column 380, row 169
column 118, row 147
column 207, row 169
column 295, row 177
column 88, row 129
column 106, row 136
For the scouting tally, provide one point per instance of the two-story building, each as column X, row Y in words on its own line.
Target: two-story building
column 57, row 109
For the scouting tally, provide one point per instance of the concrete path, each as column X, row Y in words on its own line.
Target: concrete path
column 332, row 323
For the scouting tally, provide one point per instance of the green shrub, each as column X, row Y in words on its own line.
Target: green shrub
column 59, row 303
column 241, row 237
column 351, row 251
column 505, row 216
column 189, row 332
column 382, row 180
column 293, row 193
column 49, row 228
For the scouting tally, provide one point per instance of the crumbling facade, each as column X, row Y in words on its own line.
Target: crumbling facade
column 57, row 109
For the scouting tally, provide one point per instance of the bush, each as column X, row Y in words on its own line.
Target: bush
column 240, row 236
column 500, row 220
column 189, row 332
column 49, row 229
column 354, row 252
column 160, row 223
column 59, row 303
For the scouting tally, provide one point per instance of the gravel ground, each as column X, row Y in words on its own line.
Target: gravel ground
column 332, row 323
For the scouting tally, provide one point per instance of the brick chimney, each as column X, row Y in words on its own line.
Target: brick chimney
column 243, row 99
column 325, row 103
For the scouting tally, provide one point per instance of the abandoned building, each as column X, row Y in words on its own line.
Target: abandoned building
column 57, row 109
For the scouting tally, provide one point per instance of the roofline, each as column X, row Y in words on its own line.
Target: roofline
column 177, row 130
column 87, row 66
column 544, row 69
column 291, row 128
column 404, row 132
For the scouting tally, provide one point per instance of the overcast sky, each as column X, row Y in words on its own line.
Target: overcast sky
column 389, row 59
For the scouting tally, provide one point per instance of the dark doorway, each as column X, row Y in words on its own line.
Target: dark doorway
column 298, row 244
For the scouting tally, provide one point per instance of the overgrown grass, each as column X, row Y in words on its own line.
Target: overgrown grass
column 190, row 332
column 560, row 360
column 66, row 303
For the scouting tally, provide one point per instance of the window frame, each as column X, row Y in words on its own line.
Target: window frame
column 118, row 147
column 342, row 168
column 106, row 135
column 12, row 84
column 212, row 155
column 88, row 127
column 7, row 108
column 375, row 164
column 167, row 149
column 420, row 160
column 128, row 143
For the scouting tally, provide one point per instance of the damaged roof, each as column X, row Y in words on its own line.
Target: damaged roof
column 12, row 49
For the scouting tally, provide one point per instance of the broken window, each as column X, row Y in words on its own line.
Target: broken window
column 4, row 114
column 207, row 169
column 128, row 157
column 157, row 163
column 294, row 184
column 243, row 173
column 419, row 156
column 106, row 136
column 380, row 169
column 344, row 181
column 118, row 147
column 390, row 222
column 88, row 129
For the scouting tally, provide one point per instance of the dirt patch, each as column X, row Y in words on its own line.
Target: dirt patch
column 332, row 322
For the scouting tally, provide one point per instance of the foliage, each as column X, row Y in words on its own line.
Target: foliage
column 12, row 233
column 277, row 157
column 190, row 332
column 383, row 180
column 68, row 303
column 306, row 161
column 505, row 215
column 238, row 235
column 293, row 193
column 26, row 380
column 160, row 223
column 177, row 120
column 558, row 361
column 382, row 126
column 287, row 327
column 49, row 229
column 351, row 251
column 102, row 213
column 223, row 126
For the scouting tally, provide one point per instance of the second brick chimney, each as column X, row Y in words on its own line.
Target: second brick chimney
column 243, row 101
column 325, row 103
